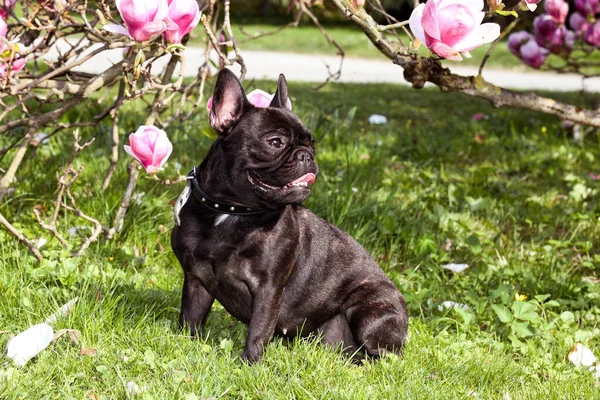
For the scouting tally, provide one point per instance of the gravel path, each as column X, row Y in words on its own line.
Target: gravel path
column 313, row 68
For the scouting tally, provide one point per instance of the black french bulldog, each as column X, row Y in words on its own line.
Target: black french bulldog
column 243, row 238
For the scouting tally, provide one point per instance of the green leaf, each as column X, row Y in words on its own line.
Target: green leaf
column 474, row 243
column 567, row 316
column 452, row 194
column 209, row 132
column 505, row 13
column 523, row 310
column 552, row 303
column 503, row 313
column 467, row 316
column 515, row 341
column 103, row 369
column 226, row 345
column 542, row 297
column 522, row 329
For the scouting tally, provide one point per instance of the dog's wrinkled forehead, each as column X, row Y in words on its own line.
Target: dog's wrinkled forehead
column 273, row 119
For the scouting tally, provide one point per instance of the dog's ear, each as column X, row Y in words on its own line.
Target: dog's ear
column 280, row 99
column 228, row 101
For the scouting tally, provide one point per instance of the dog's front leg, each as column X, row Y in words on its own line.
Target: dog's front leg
column 265, row 312
column 195, row 305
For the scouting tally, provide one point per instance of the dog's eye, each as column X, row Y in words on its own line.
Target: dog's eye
column 275, row 142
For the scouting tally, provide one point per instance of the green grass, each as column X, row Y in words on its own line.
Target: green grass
column 307, row 39
column 512, row 193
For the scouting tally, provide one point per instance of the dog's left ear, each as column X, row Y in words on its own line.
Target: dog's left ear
column 228, row 102
column 280, row 99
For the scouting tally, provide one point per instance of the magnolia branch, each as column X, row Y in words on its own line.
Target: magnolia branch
column 418, row 71
column 476, row 86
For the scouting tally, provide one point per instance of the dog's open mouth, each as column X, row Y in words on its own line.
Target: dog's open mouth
column 303, row 182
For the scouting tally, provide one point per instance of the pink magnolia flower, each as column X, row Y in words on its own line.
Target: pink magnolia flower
column 592, row 34
column 6, row 6
column 183, row 17
column 524, row 46
column 531, row 4
column 557, row 9
column 588, row 7
column 17, row 66
column 478, row 116
column 258, row 98
column 533, row 55
column 143, row 19
column 3, row 32
column 451, row 27
column 150, row 146
column 552, row 35
column 579, row 23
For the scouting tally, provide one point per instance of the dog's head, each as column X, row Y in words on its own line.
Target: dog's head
column 266, row 154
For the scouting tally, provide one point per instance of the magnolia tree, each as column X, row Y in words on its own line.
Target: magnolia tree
column 44, row 43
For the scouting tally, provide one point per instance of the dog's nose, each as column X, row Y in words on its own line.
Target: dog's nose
column 304, row 156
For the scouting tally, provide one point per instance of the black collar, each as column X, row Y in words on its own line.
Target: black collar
column 217, row 206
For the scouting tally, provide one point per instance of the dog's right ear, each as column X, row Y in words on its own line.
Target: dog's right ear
column 228, row 101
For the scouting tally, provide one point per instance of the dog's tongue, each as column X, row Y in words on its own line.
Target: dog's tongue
column 308, row 179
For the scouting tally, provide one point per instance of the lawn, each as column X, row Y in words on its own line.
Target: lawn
column 510, row 195
column 307, row 39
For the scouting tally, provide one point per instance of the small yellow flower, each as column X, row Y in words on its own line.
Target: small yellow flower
column 520, row 297
column 111, row 258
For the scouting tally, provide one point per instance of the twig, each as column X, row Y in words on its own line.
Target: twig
column 488, row 53
column 51, row 228
column 97, row 225
column 9, row 176
column 125, row 200
column 336, row 75
column 227, row 27
column 213, row 39
column 114, row 159
column 20, row 237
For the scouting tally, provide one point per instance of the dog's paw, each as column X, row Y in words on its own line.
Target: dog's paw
column 252, row 356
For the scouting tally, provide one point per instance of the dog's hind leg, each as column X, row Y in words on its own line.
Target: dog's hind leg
column 195, row 304
column 379, row 321
column 336, row 332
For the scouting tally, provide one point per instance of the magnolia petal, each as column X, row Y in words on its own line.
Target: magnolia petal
column 452, row 304
column 162, row 150
column 532, row 7
column 183, row 17
column 141, row 145
column 415, row 23
column 29, row 343
column 430, row 23
column 150, row 30
column 260, row 98
column 456, row 268
column 581, row 356
column 152, row 170
column 132, row 154
column 484, row 33
column 445, row 51
column 489, row 32
column 117, row 29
